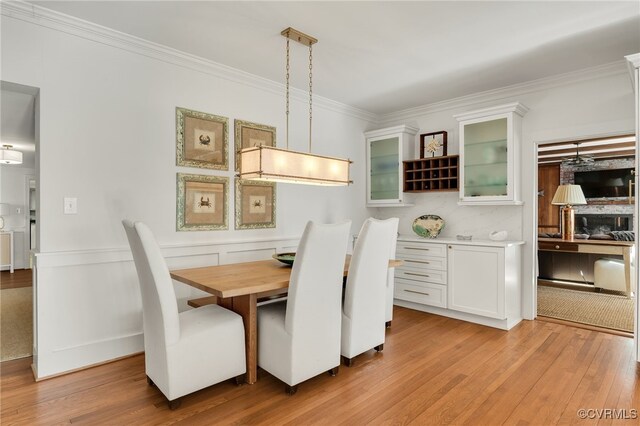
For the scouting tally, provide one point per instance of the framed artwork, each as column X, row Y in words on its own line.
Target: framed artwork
column 202, row 140
column 202, row 202
column 249, row 134
column 255, row 204
column 433, row 144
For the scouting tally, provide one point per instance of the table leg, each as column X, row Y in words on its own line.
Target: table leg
column 626, row 256
column 247, row 307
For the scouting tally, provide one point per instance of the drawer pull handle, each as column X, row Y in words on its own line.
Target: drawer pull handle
column 557, row 247
column 417, row 292
column 417, row 275
column 417, row 261
column 417, row 248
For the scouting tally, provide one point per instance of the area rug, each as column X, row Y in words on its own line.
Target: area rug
column 598, row 309
column 16, row 323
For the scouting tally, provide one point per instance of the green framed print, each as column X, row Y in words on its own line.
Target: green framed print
column 255, row 204
column 248, row 135
column 202, row 140
column 202, row 202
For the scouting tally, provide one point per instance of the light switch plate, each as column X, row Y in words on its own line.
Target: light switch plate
column 70, row 205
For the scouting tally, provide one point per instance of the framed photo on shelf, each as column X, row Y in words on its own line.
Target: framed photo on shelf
column 248, row 135
column 202, row 140
column 433, row 144
column 255, row 204
column 202, row 202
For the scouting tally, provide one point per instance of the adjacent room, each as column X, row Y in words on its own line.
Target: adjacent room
column 319, row 212
column 587, row 279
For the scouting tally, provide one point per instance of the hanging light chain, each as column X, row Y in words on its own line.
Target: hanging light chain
column 287, row 78
column 310, row 90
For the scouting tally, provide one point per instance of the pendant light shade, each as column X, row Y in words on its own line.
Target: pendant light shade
column 10, row 156
column 280, row 165
column 268, row 163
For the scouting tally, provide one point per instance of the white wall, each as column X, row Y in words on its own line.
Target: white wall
column 13, row 192
column 587, row 104
column 107, row 137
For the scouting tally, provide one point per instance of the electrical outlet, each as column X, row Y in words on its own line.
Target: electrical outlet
column 18, row 210
column 70, row 205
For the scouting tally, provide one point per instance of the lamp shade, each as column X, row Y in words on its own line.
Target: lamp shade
column 568, row 195
column 10, row 156
column 268, row 163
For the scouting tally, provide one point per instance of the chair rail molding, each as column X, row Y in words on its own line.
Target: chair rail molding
column 94, row 314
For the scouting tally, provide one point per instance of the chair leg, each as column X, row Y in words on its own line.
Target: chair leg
column 387, row 324
column 379, row 348
column 150, row 382
column 347, row 361
column 239, row 380
column 175, row 404
column 334, row 371
column 290, row 390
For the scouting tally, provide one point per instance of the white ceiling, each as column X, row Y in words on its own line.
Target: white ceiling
column 385, row 56
column 17, row 123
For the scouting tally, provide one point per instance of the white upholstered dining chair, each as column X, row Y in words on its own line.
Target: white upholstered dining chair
column 364, row 313
column 300, row 338
column 188, row 351
column 391, row 281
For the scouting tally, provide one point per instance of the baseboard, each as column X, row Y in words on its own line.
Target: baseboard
column 505, row 324
column 64, row 373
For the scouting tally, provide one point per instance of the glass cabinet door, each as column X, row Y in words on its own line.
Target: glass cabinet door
column 385, row 163
column 485, row 159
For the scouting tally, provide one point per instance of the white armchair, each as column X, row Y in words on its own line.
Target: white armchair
column 300, row 338
column 363, row 317
column 188, row 351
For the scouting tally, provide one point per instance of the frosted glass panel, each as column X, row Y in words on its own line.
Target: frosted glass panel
column 485, row 158
column 384, row 169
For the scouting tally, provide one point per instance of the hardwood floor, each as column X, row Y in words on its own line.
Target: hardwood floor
column 433, row 370
column 19, row 278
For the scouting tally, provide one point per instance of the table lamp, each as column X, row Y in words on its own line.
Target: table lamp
column 568, row 196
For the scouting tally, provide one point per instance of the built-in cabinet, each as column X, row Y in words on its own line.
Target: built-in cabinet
column 477, row 281
column 489, row 155
column 7, row 260
column 386, row 149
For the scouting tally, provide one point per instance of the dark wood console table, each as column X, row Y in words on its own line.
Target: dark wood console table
column 620, row 248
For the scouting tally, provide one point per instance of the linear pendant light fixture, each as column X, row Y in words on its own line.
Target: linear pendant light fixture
column 268, row 163
column 8, row 155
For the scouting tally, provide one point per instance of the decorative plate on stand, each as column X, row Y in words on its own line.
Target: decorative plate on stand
column 428, row 226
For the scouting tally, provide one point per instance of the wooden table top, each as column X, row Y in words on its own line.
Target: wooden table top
column 590, row 242
column 238, row 279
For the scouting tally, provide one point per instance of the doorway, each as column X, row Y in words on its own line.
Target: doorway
column 19, row 135
column 587, row 280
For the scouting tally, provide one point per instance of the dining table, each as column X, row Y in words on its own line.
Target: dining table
column 239, row 286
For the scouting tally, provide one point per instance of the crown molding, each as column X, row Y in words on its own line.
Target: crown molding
column 51, row 19
column 610, row 69
column 389, row 130
column 515, row 107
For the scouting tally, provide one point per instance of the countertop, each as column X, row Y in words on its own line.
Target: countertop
column 473, row 242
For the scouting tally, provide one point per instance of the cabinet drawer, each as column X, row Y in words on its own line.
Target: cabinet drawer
column 557, row 246
column 426, row 262
column 429, row 294
column 421, row 249
column 422, row 275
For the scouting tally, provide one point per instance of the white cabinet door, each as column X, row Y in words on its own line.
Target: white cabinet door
column 476, row 280
column 386, row 149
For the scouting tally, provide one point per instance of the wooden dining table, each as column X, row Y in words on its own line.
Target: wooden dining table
column 238, row 287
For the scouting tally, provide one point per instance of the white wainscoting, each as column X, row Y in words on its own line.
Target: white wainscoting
column 94, row 312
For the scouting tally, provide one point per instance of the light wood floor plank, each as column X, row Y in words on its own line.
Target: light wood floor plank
column 433, row 370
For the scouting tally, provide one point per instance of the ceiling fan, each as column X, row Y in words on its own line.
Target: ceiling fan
column 578, row 160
